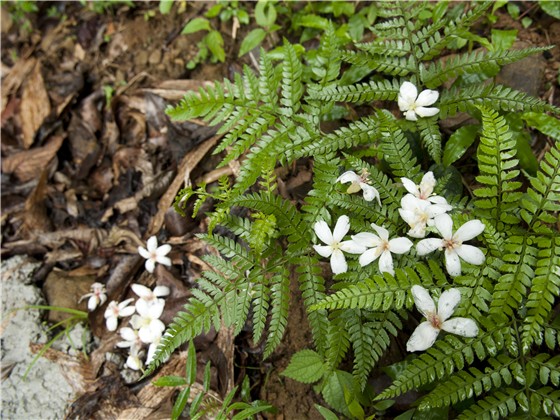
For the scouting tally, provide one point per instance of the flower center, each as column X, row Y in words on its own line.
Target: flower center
column 435, row 320
column 451, row 244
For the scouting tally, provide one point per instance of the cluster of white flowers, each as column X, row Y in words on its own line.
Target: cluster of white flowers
column 421, row 209
column 145, row 326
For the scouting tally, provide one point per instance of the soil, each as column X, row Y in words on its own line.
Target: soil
column 90, row 167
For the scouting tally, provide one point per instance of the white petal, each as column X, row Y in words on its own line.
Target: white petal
column 124, row 312
column 435, row 210
column 156, row 309
column 110, row 310
column 470, row 254
column 368, row 257
column 128, row 334
column 423, row 300
column 349, row 176
column 341, row 228
column 400, row 245
column 102, row 299
column 408, row 216
column 370, row 192
column 469, row 230
column 436, row 199
column 427, row 97
column 425, row 246
column 144, row 253
column 152, row 244
column 366, row 239
column 411, row 187
column 163, row 260
column 143, row 307
column 147, row 335
column 452, row 263
column 111, row 323
column 444, row 225
column 407, row 96
column 323, row 250
column 352, row 247
column 323, row 232
column 150, row 265
column 135, row 321
column 338, row 262
column 461, row 326
column 151, row 352
column 426, row 112
column 423, row 337
column 410, row 115
column 141, row 291
column 428, row 182
column 160, row 291
column 381, row 232
column 163, row 250
column 447, row 303
column 386, row 263
column 418, row 231
column 93, row 301
column 125, row 303
column 134, row 362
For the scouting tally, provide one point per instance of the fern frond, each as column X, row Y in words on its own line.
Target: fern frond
column 390, row 65
column 444, row 358
column 279, row 303
column 464, row 384
column 261, row 298
column 518, row 271
column 496, row 97
column 292, row 88
column 431, row 137
column 395, row 147
column 358, row 93
column 389, row 47
column 481, row 62
column 541, row 204
column 499, row 404
column 498, row 200
column 338, row 340
column 545, row 289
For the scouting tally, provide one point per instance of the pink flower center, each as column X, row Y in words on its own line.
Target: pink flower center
column 435, row 320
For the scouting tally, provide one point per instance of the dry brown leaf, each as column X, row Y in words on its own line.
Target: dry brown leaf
column 188, row 163
column 18, row 73
column 35, row 105
column 29, row 164
column 65, row 291
column 35, row 219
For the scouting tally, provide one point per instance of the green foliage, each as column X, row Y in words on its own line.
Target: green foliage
column 278, row 115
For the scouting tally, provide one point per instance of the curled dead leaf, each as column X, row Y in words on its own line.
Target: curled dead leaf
column 35, row 105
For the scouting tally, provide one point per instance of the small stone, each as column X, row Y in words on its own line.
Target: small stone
column 155, row 57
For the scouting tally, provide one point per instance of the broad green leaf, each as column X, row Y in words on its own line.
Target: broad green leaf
column 195, row 25
column 551, row 7
column 215, row 44
column 549, row 126
column 326, row 413
column 170, row 381
column 306, row 366
column 191, row 364
column 165, row 6
column 265, row 13
column 459, row 142
column 503, row 40
column 180, row 403
column 214, row 11
column 312, row 21
column 252, row 40
column 334, row 390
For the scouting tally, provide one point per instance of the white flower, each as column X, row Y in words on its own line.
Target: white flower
column 131, row 339
column 380, row 246
column 96, row 297
column 149, row 297
column 133, row 360
column 152, row 350
column 414, row 105
column 424, row 336
column 117, row 310
column 147, row 322
column 419, row 214
column 155, row 254
column 424, row 191
column 359, row 182
column 334, row 246
column 453, row 243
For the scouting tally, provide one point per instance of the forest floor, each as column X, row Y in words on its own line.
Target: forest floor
column 91, row 166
